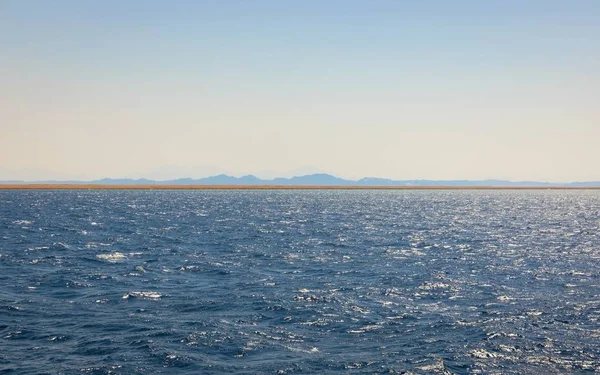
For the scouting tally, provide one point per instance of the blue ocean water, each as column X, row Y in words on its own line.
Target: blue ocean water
column 287, row 282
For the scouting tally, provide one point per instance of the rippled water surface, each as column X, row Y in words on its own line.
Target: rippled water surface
column 284, row 282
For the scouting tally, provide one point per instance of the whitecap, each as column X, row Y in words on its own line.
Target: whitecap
column 22, row 222
column 148, row 295
column 534, row 313
column 38, row 248
column 438, row 366
column 313, row 350
column 432, row 286
column 112, row 257
column 482, row 353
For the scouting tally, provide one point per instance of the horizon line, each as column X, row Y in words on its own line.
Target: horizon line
column 38, row 186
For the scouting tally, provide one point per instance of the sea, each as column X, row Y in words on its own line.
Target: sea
column 299, row 282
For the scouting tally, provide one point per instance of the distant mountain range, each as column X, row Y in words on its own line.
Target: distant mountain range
column 320, row 179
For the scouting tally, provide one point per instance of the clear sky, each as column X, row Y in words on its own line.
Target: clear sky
column 398, row 89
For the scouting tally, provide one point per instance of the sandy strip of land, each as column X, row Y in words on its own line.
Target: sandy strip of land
column 271, row 187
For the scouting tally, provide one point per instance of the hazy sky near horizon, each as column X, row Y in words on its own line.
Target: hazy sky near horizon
column 396, row 89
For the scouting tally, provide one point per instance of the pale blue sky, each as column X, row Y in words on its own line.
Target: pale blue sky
column 397, row 89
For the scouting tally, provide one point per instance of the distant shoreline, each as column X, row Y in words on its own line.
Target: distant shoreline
column 34, row 186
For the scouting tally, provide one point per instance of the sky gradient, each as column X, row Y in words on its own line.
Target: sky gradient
column 394, row 89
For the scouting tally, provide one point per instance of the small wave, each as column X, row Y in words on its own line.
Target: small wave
column 140, row 269
column 90, row 245
column 60, row 246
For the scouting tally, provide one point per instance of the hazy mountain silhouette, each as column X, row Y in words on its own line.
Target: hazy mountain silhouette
column 321, row 179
